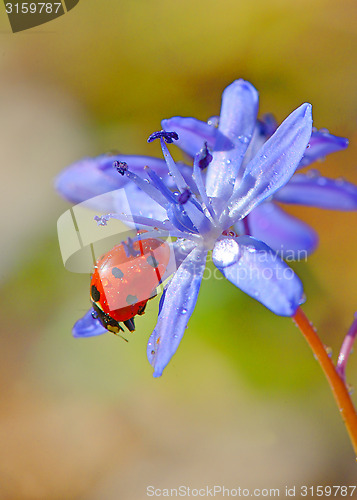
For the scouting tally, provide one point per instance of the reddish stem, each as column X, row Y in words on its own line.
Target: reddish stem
column 337, row 384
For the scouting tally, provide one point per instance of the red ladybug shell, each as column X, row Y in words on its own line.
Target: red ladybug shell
column 125, row 283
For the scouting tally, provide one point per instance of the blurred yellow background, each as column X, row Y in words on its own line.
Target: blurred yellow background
column 243, row 402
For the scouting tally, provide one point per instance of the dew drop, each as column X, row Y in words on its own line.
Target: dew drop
column 340, row 181
column 213, row 121
column 183, row 311
column 321, row 181
column 303, row 299
column 350, row 389
column 329, row 351
column 312, row 173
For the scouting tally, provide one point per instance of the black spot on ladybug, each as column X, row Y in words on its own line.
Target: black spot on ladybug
column 117, row 273
column 95, row 293
column 141, row 309
column 131, row 300
column 152, row 261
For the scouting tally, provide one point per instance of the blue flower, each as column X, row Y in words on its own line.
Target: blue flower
column 268, row 222
column 199, row 206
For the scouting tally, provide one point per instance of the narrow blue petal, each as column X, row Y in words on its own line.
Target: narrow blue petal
column 88, row 326
column 316, row 191
column 258, row 271
column 192, row 133
column 176, row 309
column 321, row 144
column 283, row 233
column 236, row 125
column 91, row 177
column 274, row 165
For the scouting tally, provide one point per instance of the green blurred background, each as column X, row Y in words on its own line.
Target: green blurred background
column 243, row 402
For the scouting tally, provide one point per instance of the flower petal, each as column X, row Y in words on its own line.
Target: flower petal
column 192, row 133
column 176, row 309
column 88, row 326
column 317, row 191
column 254, row 268
column 285, row 234
column 274, row 165
column 322, row 143
column 236, row 125
column 90, row 177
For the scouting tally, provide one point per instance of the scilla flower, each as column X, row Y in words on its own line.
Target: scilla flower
column 199, row 206
column 268, row 222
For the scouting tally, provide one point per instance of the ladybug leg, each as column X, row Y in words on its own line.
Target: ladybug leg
column 121, row 336
column 129, row 323
column 141, row 309
column 153, row 294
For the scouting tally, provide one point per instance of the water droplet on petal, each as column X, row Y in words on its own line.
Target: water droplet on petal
column 303, row 299
column 329, row 351
column 321, row 181
column 312, row 173
column 213, row 121
column 350, row 389
column 183, row 311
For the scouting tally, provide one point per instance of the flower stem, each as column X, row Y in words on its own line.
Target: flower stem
column 337, row 384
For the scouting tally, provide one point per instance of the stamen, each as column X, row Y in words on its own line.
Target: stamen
column 204, row 157
column 159, row 184
column 140, row 220
column 168, row 137
column 121, row 166
column 184, row 197
column 155, row 194
column 173, row 169
column 206, row 203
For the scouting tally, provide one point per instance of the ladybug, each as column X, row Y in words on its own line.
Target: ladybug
column 124, row 279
